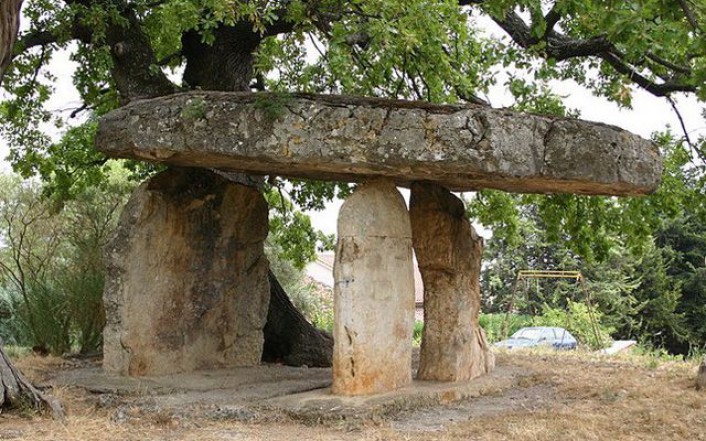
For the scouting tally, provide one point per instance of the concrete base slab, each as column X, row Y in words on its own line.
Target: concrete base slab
column 322, row 405
column 239, row 385
column 269, row 392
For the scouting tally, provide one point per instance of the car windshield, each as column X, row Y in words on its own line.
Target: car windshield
column 527, row 334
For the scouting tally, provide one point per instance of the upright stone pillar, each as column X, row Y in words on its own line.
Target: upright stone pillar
column 187, row 284
column 449, row 254
column 373, row 293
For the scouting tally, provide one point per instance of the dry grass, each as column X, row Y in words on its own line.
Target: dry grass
column 599, row 399
column 593, row 398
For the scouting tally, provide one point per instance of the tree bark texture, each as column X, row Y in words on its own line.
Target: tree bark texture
column 9, row 26
column 134, row 60
column 16, row 391
column 225, row 65
column 289, row 337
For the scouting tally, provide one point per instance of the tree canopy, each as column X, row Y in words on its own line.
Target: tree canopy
column 417, row 49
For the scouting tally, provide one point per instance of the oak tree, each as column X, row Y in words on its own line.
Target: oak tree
column 435, row 50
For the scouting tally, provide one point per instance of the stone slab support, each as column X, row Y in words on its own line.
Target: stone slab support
column 373, row 293
column 186, row 285
column 449, row 254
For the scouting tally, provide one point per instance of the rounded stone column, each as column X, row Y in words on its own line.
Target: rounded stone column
column 449, row 253
column 373, row 293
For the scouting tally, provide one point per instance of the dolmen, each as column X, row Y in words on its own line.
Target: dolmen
column 187, row 285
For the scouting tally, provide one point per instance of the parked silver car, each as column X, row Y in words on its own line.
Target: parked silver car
column 558, row 338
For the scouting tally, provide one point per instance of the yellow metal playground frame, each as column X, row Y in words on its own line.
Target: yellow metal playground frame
column 551, row 274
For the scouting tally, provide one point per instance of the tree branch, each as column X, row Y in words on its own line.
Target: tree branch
column 517, row 29
column 75, row 112
column 669, row 65
column 38, row 67
column 560, row 47
column 656, row 89
column 689, row 13
column 551, row 19
column 33, row 39
column 279, row 26
column 687, row 138
column 45, row 37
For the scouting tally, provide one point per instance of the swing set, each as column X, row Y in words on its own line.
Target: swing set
column 527, row 275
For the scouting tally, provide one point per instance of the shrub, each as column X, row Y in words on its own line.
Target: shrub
column 495, row 324
column 417, row 333
column 84, row 305
column 51, row 265
column 42, row 314
column 309, row 298
column 10, row 329
column 323, row 319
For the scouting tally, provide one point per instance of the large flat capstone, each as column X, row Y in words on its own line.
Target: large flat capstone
column 340, row 138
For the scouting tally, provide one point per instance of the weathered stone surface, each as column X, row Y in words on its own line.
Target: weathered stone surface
column 373, row 293
column 449, row 254
column 356, row 139
column 187, row 284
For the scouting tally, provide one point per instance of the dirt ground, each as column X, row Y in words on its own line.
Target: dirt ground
column 552, row 397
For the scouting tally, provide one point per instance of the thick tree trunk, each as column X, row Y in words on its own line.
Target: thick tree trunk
column 16, row 391
column 226, row 65
column 134, row 60
column 9, row 25
column 289, row 337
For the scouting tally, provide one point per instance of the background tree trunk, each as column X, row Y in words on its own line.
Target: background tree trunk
column 9, row 25
column 227, row 65
column 289, row 337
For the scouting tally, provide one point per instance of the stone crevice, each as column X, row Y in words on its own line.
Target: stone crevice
column 618, row 162
column 295, row 111
column 545, row 150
